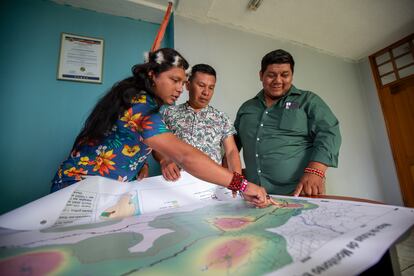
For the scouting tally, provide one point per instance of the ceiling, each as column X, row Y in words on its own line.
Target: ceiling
column 350, row 29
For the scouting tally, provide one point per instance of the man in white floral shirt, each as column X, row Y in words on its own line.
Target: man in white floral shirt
column 201, row 125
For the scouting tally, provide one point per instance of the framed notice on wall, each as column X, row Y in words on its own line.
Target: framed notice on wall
column 81, row 58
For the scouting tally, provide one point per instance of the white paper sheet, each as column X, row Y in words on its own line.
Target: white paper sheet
column 97, row 199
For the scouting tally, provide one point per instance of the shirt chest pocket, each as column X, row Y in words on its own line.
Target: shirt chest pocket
column 294, row 120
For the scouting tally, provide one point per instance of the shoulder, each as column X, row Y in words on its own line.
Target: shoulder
column 172, row 109
column 250, row 105
column 309, row 98
column 314, row 105
column 251, row 102
column 144, row 101
column 307, row 94
column 218, row 113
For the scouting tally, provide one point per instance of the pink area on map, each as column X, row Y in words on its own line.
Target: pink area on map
column 34, row 263
column 229, row 253
column 231, row 223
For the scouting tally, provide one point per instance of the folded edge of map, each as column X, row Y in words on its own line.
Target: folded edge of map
column 97, row 199
column 312, row 236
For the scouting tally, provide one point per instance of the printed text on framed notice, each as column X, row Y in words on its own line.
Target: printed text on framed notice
column 81, row 58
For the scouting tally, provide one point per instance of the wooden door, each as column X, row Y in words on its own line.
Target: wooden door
column 393, row 69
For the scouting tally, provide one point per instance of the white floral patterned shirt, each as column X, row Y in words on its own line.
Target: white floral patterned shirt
column 205, row 129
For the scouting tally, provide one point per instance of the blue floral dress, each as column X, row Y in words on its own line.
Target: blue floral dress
column 121, row 154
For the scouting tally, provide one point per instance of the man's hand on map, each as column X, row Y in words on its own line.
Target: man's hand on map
column 144, row 172
column 170, row 170
column 309, row 185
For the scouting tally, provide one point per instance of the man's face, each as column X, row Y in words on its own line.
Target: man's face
column 276, row 80
column 201, row 90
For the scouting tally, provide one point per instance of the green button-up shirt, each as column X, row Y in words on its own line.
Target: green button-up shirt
column 279, row 141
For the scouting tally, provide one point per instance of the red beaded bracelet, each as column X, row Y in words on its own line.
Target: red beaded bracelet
column 317, row 172
column 238, row 183
column 244, row 185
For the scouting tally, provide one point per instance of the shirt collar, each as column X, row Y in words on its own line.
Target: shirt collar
column 188, row 107
column 292, row 91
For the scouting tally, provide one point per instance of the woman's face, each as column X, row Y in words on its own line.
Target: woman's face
column 168, row 85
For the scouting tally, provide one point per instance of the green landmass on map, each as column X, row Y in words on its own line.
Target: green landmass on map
column 225, row 238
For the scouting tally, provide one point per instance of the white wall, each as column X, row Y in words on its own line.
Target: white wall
column 236, row 56
column 384, row 160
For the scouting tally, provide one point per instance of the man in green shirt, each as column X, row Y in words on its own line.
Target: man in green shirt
column 289, row 136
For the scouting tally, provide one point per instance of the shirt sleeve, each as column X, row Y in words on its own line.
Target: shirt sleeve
column 228, row 127
column 148, row 120
column 236, row 128
column 324, row 128
column 166, row 115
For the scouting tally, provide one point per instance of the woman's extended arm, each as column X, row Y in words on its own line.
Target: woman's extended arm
column 200, row 165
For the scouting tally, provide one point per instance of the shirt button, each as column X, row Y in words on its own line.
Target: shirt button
column 259, row 171
column 261, row 124
column 257, row 155
column 267, row 112
column 258, row 139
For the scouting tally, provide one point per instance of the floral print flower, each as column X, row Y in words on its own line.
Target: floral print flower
column 133, row 166
column 103, row 162
column 130, row 151
column 101, row 149
column 131, row 119
column 77, row 173
column 145, row 123
column 139, row 99
column 136, row 122
column 120, row 152
column 84, row 161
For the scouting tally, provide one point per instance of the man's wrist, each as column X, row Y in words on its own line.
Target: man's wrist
column 315, row 171
column 317, row 165
column 238, row 183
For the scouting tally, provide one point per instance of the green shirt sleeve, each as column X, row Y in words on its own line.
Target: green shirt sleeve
column 236, row 126
column 324, row 128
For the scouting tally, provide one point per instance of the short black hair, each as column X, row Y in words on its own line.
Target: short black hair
column 202, row 68
column 277, row 57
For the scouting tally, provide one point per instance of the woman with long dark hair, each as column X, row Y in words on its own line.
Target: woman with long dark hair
column 125, row 125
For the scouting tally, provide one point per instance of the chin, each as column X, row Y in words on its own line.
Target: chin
column 279, row 93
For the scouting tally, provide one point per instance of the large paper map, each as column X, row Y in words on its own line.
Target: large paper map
column 200, row 235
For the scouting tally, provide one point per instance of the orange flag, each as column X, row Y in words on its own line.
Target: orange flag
column 161, row 31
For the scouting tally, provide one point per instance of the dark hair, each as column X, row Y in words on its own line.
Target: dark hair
column 118, row 99
column 277, row 57
column 202, row 68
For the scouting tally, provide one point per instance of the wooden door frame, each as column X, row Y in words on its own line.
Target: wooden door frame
column 384, row 92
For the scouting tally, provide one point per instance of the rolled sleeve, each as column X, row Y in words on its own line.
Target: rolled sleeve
column 325, row 130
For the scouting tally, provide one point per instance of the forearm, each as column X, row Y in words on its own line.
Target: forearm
column 318, row 165
column 158, row 156
column 233, row 161
column 201, row 166
column 232, row 154
column 190, row 159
